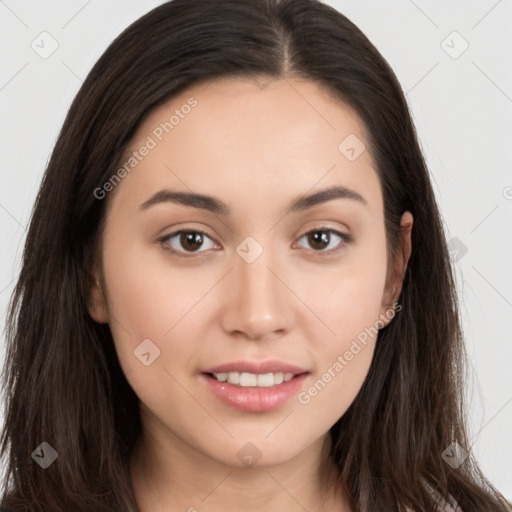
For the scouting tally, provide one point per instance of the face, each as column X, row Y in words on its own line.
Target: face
column 278, row 294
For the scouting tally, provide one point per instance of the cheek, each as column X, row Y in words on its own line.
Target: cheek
column 342, row 360
column 149, row 300
column 152, row 308
column 347, row 297
column 349, row 304
column 329, row 393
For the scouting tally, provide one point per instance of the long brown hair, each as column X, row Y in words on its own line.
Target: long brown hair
column 62, row 380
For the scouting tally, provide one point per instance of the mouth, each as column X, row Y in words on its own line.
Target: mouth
column 246, row 387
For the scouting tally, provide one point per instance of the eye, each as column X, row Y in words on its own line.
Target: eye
column 321, row 238
column 190, row 240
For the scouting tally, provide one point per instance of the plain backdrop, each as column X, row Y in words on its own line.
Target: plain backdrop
column 453, row 61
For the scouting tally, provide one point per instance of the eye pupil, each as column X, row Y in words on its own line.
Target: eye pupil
column 194, row 239
column 322, row 239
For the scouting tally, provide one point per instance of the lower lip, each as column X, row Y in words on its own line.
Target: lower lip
column 254, row 399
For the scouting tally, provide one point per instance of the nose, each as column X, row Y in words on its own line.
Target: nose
column 257, row 302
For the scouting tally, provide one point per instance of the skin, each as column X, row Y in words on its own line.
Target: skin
column 256, row 146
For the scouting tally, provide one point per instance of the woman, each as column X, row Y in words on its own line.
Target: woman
column 236, row 291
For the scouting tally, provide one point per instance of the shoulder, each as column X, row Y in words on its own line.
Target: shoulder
column 449, row 505
column 444, row 505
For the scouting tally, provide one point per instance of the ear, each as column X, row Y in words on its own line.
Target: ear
column 396, row 271
column 97, row 302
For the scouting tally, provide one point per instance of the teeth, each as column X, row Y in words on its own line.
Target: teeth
column 233, row 378
column 263, row 380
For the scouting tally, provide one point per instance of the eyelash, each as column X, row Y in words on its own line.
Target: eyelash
column 346, row 239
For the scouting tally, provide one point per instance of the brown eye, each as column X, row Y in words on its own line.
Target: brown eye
column 189, row 241
column 319, row 239
column 322, row 238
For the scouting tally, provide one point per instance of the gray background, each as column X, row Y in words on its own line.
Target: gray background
column 461, row 105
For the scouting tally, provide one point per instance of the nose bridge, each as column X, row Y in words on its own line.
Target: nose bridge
column 257, row 304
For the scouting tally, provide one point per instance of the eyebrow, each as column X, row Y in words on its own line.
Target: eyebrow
column 217, row 206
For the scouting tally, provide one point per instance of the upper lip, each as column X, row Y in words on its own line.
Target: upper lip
column 257, row 367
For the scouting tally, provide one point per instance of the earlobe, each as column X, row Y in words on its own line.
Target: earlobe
column 97, row 304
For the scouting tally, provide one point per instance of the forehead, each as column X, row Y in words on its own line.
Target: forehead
column 252, row 136
column 255, row 110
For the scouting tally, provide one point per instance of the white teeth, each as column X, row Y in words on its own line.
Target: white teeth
column 248, row 379
column 266, row 380
column 263, row 380
column 278, row 378
column 233, row 377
